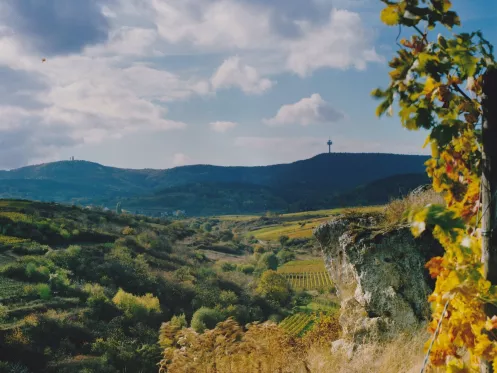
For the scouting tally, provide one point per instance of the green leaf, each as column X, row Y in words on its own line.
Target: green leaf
column 467, row 63
column 383, row 107
column 378, row 93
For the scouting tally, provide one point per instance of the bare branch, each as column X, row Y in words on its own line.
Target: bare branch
column 458, row 89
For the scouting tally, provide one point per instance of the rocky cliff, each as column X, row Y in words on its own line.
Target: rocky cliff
column 379, row 275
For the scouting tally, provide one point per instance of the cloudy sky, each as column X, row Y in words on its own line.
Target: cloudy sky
column 160, row 83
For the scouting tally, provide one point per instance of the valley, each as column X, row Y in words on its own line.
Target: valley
column 88, row 290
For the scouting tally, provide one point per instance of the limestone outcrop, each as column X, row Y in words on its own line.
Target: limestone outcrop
column 379, row 275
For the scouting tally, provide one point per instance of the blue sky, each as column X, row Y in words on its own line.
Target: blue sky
column 161, row 83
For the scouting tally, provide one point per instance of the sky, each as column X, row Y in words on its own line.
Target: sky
column 165, row 83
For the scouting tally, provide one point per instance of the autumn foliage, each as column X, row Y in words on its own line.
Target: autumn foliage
column 437, row 82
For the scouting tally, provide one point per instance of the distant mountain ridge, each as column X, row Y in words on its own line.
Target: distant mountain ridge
column 317, row 182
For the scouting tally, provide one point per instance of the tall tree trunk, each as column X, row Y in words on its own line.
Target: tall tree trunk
column 489, row 188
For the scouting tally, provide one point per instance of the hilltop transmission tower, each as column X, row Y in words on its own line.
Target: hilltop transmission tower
column 329, row 145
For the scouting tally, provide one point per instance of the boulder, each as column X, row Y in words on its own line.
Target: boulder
column 379, row 276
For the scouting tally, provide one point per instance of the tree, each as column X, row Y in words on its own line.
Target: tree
column 274, row 286
column 283, row 240
column 439, row 85
column 205, row 318
column 268, row 261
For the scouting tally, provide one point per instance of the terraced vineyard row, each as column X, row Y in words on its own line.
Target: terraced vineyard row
column 298, row 323
column 10, row 288
column 309, row 280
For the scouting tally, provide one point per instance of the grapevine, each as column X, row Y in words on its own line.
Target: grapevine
column 437, row 82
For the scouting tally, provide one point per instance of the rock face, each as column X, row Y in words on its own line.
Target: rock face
column 379, row 277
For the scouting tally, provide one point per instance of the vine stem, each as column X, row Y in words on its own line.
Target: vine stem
column 425, row 362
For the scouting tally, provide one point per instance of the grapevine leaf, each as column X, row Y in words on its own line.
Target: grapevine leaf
column 390, row 15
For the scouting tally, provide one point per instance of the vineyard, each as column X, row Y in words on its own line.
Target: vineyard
column 7, row 241
column 307, row 275
column 17, row 217
column 10, row 288
column 297, row 324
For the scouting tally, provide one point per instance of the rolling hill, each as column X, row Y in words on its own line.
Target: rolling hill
column 324, row 181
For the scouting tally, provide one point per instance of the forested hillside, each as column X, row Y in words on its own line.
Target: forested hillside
column 325, row 181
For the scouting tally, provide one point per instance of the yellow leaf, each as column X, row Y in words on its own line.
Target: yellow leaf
column 435, row 152
column 483, row 345
column 430, row 86
column 447, row 5
column 455, row 366
column 390, row 15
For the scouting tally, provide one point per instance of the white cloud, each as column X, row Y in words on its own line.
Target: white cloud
column 181, row 159
column 341, row 43
column 234, row 73
column 217, row 25
column 222, row 126
column 117, row 83
column 309, row 110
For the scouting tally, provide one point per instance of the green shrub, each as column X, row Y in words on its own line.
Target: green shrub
column 205, row 318
column 136, row 306
column 179, row 321
column 248, row 269
column 4, row 311
column 267, row 261
column 285, row 256
column 207, row 227
column 44, row 291
column 283, row 240
column 6, row 367
column 228, row 267
column 227, row 297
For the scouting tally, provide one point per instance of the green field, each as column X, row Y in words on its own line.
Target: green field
column 307, row 275
column 303, row 266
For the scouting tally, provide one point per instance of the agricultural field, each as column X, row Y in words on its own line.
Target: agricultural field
column 296, row 229
column 298, row 323
column 10, row 288
column 302, row 224
column 16, row 217
column 307, row 275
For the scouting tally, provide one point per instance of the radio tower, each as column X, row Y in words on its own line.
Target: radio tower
column 329, row 145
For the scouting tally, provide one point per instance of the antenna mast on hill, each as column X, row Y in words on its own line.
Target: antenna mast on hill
column 329, row 145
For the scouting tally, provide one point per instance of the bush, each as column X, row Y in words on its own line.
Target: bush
column 259, row 249
column 227, row 297
column 283, row 240
column 248, row 269
column 12, row 368
column 274, row 287
column 206, row 227
column 44, row 291
column 285, row 256
column 268, row 261
column 228, row 267
column 4, row 311
column 127, row 231
column 205, row 318
column 179, row 321
column 136, row 306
